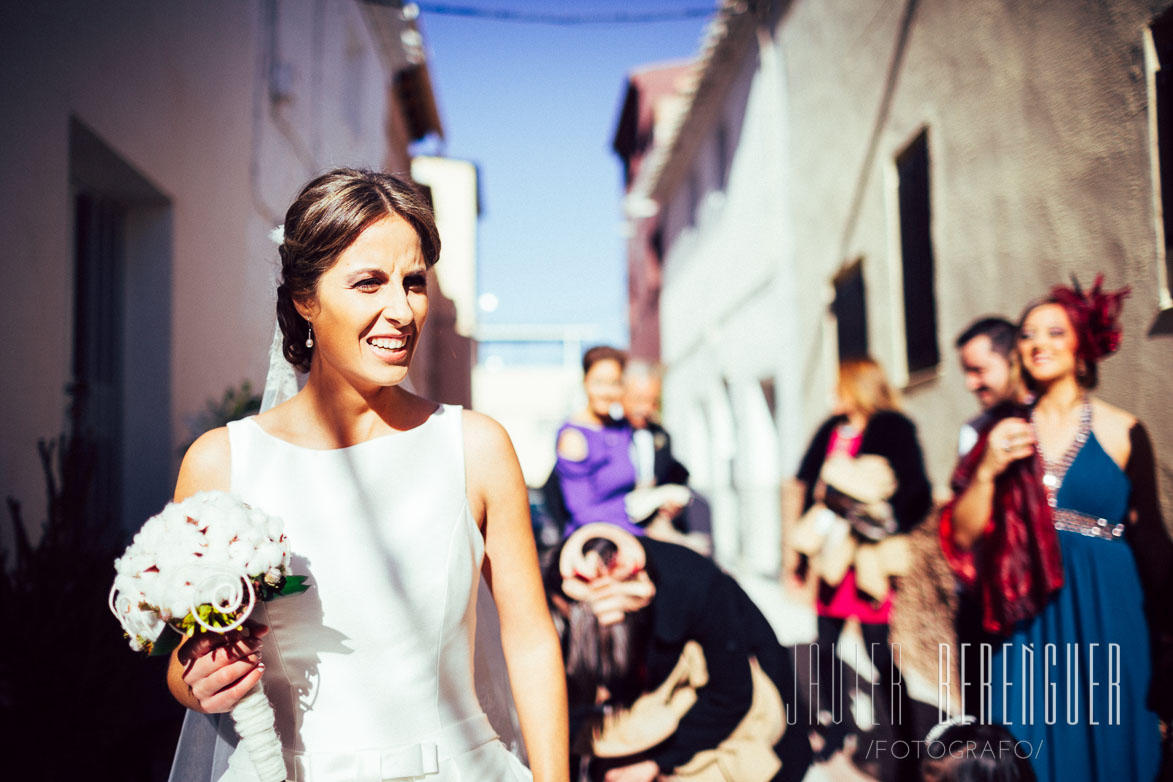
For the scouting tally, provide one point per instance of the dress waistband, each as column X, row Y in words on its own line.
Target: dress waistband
column 1073, row 521
column 406, row 761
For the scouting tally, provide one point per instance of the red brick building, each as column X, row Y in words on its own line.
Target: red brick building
column 650, row 105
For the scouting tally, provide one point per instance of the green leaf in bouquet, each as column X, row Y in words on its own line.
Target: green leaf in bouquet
column 293, row 585
column 290, row 585
column 209, row 615
column 166, row 643
column 187, row 625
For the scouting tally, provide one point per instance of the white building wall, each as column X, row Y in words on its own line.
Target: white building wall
column 1040, row 167
column 722, row 326
column 531, row 403
column 453, row 186
column 226, row 108
column 1038, row 122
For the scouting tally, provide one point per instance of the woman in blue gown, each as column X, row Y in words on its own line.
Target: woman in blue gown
column 1057, row 524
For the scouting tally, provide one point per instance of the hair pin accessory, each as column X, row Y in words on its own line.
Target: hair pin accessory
column 1095, row 315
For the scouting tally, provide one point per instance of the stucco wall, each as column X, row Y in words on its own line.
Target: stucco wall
column 723, row 323
column 1040, row 167
column 226, row 108
column 1038, row 135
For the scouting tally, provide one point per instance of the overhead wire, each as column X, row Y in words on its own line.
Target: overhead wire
column 569, row 19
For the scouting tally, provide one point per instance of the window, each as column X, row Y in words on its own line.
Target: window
column 916, row 245
column 850, row 310
column 722, row 150
column 770, row 394
column 1161, row 65
column 694, row 197
column 98, row 339
column 121, row 389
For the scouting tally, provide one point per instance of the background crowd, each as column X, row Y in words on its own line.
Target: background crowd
column 1052, row 532
column 850, row 154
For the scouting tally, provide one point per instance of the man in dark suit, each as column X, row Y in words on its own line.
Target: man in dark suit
column 652, row 446
column 654, row 463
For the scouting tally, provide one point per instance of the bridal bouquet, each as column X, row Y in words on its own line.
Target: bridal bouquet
column 201, row 566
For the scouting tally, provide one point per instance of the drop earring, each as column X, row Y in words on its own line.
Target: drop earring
column 309, row 340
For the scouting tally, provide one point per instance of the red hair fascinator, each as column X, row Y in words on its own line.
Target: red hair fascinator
column 1094, row 315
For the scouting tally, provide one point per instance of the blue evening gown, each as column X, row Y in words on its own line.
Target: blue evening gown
column 1095, row 625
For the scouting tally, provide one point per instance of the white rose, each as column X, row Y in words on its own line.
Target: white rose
column 182, row 601
column 275, row 554
column 150, row 537
column 239, row 553
column 236, row 517
column 218, row 557
column 274, row 528
column 218, row 536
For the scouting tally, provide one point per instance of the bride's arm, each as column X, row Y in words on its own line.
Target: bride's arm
column 201, row 677
column 498, row 497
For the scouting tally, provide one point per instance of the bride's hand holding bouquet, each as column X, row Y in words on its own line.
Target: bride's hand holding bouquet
column 217, row 672
column 195, row 571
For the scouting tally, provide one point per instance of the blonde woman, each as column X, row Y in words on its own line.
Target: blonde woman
column 866, row 423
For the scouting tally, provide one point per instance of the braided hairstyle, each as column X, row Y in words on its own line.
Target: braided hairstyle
column 326, row 217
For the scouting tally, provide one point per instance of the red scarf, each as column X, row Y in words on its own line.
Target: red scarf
column 1016, row 565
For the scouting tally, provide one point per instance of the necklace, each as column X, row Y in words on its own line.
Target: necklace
column 1054, row 472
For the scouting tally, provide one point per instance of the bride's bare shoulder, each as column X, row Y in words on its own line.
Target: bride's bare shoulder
column 206, row 466
column 493, row 475
column 483, row 435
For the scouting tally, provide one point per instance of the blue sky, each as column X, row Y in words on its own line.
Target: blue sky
column 535, row 107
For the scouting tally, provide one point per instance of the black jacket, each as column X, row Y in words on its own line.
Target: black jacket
column 888, row 434
column 697, row 601
column 665, row 467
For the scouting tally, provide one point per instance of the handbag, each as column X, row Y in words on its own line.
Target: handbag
column 746, row 755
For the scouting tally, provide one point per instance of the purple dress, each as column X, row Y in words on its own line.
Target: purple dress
column 594, row 488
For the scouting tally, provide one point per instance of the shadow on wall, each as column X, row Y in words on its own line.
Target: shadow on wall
column 1162, row 324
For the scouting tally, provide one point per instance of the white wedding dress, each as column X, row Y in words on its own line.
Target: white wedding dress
column 371, row 671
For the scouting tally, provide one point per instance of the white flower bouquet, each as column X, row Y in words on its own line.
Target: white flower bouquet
column 201, row 566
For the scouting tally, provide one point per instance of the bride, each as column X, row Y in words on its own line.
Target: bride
column 394, row 507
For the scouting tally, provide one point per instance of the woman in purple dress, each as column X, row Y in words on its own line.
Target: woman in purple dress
column 594, row 467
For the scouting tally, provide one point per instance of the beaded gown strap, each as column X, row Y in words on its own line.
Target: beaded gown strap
column 1054, row 472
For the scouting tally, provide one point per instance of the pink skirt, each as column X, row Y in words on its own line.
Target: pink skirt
column 845, row 601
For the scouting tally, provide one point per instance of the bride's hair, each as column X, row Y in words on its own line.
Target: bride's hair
column 327, row 216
